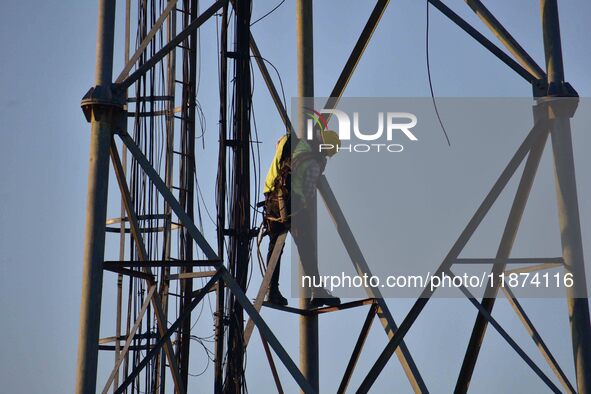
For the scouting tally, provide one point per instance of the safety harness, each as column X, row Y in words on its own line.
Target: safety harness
column 290, row 164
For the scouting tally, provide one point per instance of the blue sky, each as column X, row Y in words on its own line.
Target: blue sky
column 48, row 64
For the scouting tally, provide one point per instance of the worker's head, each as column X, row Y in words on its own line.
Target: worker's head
column 330, row 142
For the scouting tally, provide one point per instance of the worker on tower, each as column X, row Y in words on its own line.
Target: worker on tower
column 290, row 184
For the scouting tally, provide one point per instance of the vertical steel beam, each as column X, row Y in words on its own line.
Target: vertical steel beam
column 122, row 236
column 188, row 177
column 96, row 209
column 240, row 238
column 309, row 359
column 171, row 24
column 552, row 41
column 568, row 208
column 221, row 218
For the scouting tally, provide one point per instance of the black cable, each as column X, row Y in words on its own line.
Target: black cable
column 429, row 77
column 280, row 83
column 268, row 13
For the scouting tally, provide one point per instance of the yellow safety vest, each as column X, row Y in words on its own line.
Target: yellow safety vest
column 275, row 166
column 297, row 179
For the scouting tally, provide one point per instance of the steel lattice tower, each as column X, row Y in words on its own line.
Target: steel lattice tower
column 152, row 105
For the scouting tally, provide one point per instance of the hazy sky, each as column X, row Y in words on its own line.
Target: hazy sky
column 48, row 64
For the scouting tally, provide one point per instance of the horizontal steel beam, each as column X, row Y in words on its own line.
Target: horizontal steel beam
column 289, row 309
column 519, row 260
column 534, row 268
column 161, row 263
column 139, row 218
column 343, row 306
column 119, row 230
column 143, row 336
column 323, row 310
column 132, row 273
column 191, row 275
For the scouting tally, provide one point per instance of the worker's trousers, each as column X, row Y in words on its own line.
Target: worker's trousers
column 300, row 231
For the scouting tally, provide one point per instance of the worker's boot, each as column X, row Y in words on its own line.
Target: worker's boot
column 321, row 296
column 275, row 297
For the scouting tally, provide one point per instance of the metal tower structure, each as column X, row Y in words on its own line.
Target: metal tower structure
column 151, row 108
